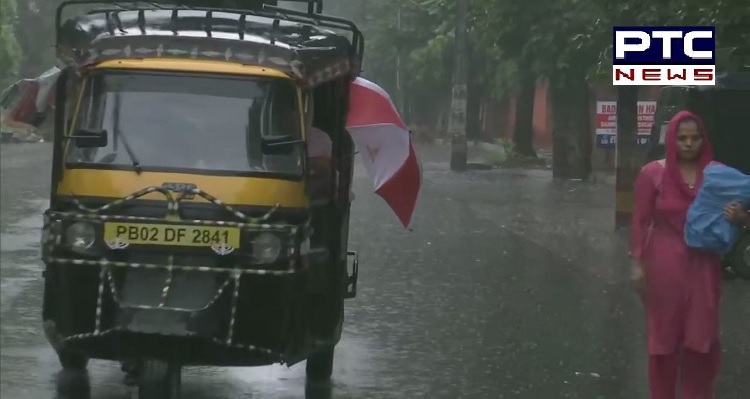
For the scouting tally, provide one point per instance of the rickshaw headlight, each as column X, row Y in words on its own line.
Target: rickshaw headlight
column 80, row 236
column 266, row 248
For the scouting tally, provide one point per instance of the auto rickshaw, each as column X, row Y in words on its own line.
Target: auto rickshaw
column 723, row 107
column 186, row 224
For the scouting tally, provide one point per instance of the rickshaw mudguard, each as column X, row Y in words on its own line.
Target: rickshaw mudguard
column 119, row 300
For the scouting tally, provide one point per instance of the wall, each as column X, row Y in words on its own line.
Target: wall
column 499, row 119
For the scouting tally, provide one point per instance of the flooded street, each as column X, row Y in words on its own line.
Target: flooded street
column 509, row 286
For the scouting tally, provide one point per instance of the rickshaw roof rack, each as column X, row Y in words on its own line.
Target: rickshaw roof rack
column 313, row 6
column 288, row 40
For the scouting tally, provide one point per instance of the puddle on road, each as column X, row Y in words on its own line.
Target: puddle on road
column 35, row 370
column 354, row 369
column 35, row 214
column 19, row 246
column 353, row 375
column 17, row 277
column 12, row 210
column 20, row 241
column 10, row 288
column 24, row 234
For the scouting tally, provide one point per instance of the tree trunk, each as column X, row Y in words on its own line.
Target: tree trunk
column 474, row 93
column 523, row 131
column 628, row 159
column 571, row 123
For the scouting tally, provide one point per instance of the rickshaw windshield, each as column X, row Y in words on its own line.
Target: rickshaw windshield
column 173, row 121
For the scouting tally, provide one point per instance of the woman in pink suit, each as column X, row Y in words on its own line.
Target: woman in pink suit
column 680, row 287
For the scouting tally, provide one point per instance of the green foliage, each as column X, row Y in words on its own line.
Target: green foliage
column 10, row 50
column 507, row 37
column 546, row 37
column 423, row 40
column 36, row 35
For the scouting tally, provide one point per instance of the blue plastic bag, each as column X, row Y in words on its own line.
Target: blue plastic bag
column 706, row 227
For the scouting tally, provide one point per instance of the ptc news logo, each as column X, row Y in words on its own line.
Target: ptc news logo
column 667, row 55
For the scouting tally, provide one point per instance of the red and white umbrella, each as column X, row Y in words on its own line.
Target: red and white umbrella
column 385, row 146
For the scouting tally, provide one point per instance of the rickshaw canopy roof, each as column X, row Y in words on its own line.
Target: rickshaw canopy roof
column 293, row 42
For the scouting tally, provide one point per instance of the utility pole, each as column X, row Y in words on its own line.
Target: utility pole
column 457, row 121
column 399, row 71
column 627, row 157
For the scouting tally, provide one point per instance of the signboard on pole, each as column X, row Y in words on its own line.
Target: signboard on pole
column 646, row 112
column 606, row 123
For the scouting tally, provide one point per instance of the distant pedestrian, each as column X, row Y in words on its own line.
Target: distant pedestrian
column 680, row 287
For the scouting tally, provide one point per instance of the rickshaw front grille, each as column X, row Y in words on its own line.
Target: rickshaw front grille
column 178, row 289
column 150, row 277
column 204, row 258
column 175, row 258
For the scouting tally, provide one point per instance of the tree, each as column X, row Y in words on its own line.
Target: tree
column 542, row 39
column 10, row 51
column 523, row 131
column 36, row 35
column 516, row 42
column 513, row 44
column 423, row 57
column 571, row 53
column 504, row 25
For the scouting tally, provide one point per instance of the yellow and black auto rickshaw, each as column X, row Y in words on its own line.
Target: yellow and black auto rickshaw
column 187, row 225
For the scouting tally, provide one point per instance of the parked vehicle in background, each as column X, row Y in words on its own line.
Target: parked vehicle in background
column 25, row 106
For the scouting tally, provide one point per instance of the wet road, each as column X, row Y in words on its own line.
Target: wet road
column 510, row 286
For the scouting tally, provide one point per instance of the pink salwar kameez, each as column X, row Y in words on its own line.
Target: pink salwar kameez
column 683, row 285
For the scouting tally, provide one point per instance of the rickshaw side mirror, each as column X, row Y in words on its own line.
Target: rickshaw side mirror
column 85, row 138
column 279, row 145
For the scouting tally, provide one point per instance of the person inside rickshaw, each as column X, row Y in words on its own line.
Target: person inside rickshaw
column 319, row 152
column 281, row 119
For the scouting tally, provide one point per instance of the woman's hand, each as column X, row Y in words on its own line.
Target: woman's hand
column 736, row 213
column 638, row 279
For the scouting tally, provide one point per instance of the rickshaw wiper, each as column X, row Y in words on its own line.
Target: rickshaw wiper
column 129, row 151
column 119, row 134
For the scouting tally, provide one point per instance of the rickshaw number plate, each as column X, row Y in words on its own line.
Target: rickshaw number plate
column 171, row 235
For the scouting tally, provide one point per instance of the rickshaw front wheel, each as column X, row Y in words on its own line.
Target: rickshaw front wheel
column 70, row 360
column 159, row 379
column 320, row 365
